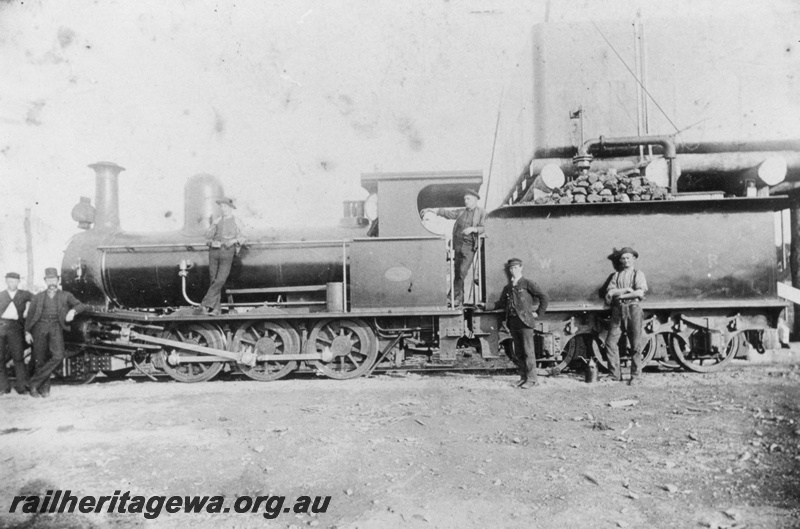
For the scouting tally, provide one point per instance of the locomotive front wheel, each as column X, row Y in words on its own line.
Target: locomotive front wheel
column 266, row 338
column 351, row 344
column 197, row 334
column 702, row 361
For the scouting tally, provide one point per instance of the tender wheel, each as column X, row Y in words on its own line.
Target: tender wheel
column 694, row 357
column 651, row 345
column 648, row 351
column 196, row 334
column 266, row 337
column 665, row 357
column 350, row 342
column 578, row 346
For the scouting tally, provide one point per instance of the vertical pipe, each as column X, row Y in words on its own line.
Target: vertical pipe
column 344, row 276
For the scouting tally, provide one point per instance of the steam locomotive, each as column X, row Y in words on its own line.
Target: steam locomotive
column 347, row 301
column 372, row 292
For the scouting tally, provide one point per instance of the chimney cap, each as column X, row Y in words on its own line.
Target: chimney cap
column 110, row 165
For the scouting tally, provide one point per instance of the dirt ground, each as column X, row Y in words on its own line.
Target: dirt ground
column 447, row 450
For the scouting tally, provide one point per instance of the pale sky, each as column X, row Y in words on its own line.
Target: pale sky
column 287, row 103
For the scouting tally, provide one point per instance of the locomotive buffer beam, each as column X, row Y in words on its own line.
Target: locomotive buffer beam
column 245, row 357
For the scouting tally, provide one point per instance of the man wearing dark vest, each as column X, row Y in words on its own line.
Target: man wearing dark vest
column 224, row 239
column 13, row 307
column 518, row 299
column 626, row 288
column 48, row 317
column 466, row 238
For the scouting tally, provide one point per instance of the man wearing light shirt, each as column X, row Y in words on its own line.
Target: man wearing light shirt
column 224, row 239
column 13, row 306
column 49, row 316
column 625, row 290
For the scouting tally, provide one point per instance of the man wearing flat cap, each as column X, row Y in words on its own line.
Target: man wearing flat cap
column 626, row 288
column 224, row 239
column 49, row 316
column 519, row 298
column 14, row 304
column 466, row 238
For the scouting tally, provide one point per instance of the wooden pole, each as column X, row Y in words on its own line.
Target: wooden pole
column 29, row 247
column 794, row 260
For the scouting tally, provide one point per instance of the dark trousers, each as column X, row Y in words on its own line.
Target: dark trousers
column 524, row 349
column 13, row 338
column 627, row 318
column 220, row 261
column 48, row 352
column 463, row 262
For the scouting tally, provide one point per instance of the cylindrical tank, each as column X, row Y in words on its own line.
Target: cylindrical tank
column 141, row 270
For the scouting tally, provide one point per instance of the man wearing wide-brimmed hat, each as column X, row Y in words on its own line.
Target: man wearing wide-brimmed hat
column 626, row 288
column 49, row 316
column 466, row 238
column 224, row 238
column 13, row 306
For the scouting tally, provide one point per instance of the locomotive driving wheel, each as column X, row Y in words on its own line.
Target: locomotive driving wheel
column 266, row 338
column 693, row 356
column 196, row 334
column 349, row 344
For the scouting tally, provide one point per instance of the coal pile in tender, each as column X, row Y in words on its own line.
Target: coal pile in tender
column 606, row 187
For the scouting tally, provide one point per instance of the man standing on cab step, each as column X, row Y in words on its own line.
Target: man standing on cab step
column 467, row 231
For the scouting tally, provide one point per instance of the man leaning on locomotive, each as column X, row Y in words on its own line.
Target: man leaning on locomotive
column 626, row 288
column 48, row 317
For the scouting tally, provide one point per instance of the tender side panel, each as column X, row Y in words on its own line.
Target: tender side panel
column 693, row 253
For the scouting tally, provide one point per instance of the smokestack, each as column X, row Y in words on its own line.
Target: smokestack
column 200, row 195
column 106, row 195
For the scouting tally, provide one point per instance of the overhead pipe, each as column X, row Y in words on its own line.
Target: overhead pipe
column 583, row 159
column 666, row 143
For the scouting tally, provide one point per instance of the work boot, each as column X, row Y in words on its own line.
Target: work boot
column 35, row 393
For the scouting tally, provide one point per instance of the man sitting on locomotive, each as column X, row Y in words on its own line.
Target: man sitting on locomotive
column 625, row 290
column 224, row 239
column 466, row 238
column 518, row 299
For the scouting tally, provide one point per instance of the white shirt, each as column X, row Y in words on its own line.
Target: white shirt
column 11, row 311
